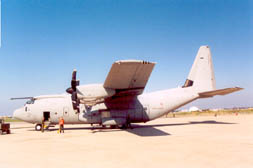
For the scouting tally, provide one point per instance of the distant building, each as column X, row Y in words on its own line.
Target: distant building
column 194, row 108
column 184, row 110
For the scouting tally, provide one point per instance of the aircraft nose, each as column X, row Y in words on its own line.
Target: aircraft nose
column 18, row 114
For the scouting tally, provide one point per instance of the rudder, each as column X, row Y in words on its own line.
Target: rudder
column 201, row 76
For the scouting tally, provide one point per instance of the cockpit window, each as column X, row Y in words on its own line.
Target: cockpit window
column 30, row 102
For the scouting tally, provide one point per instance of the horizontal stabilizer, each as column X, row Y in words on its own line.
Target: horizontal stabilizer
column 17, row 98
column 38, row 97
column 219, row 92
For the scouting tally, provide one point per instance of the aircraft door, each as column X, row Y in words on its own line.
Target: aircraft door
column 46, row 115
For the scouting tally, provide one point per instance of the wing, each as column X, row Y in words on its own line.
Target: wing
column 129, row 76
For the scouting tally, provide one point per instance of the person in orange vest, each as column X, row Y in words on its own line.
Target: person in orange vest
column 61, row 125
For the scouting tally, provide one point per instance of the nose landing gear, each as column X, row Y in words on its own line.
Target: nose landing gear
column 38, row 127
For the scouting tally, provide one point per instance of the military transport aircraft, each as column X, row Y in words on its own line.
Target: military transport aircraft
column 120, row 100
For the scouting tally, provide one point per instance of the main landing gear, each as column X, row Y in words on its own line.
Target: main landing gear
column 123, row 126
column 126, row 126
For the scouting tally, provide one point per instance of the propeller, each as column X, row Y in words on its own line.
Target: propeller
column 72, row 90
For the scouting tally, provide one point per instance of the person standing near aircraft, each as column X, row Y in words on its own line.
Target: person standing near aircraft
column 43, row 124
column 61, row 125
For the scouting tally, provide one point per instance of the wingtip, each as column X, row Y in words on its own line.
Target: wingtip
column 134, row 61
column 239, row 88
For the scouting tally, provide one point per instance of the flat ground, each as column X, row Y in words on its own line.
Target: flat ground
column 223, row 141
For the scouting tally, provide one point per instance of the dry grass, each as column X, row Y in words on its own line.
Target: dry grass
column 211, row 113
column 9, row 119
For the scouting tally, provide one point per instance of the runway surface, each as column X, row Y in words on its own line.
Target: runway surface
column 192, row 142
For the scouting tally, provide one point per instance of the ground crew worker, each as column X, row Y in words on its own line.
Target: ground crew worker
column 43, row 124
column 61, row 125
column 46, row 124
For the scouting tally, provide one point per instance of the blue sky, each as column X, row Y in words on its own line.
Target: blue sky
column 44, row 40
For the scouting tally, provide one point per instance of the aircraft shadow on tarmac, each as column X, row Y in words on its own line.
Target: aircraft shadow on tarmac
column 188, row 123
column 150, row 130
column 142, row 130
column 147, row 131
column 136, row 129
column 139, row 130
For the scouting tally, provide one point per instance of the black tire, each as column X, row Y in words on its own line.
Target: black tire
column 124, row 126
column 38, row 127
column 113, row 126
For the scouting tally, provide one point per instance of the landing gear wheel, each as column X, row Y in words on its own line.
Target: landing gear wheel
column 129, row 126
column 113, row 126
column 124, row 126
column 38, row 127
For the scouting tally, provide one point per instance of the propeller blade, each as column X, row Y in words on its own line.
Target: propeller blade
column 73, row 92
column 77, row 83
column 69, row 90
column 75, row 101
column 74, row 83
column 74, row 74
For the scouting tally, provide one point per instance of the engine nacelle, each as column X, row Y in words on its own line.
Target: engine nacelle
column 94, row 91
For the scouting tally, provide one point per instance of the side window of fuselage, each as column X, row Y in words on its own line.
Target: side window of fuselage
column 30, row 102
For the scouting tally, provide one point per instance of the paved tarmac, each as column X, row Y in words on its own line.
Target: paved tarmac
column 192, row 142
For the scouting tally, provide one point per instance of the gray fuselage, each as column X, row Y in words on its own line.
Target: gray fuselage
column 116, row 111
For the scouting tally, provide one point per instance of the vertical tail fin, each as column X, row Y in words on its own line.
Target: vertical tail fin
column 201, row 76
